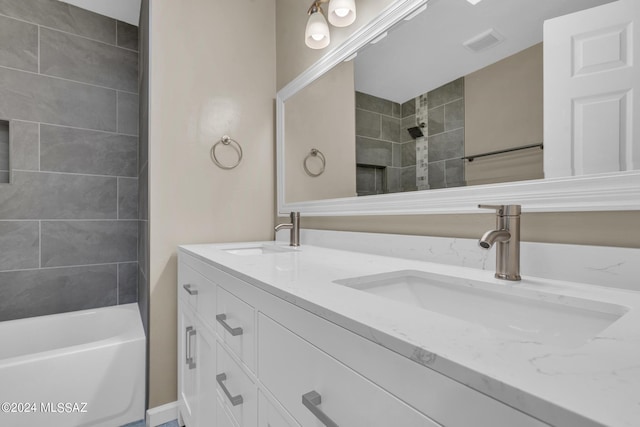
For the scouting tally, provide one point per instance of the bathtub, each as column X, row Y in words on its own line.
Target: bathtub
column 84, row 368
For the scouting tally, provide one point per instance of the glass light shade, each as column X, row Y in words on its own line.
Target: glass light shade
column 342, row 12
column 316, row 36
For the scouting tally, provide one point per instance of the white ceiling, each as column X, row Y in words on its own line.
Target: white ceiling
column 427, row 52
column 123, row 10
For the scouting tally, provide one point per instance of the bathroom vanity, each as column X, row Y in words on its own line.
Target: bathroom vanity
column 271, row 335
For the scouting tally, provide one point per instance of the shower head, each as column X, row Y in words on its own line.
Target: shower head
column 415, row 132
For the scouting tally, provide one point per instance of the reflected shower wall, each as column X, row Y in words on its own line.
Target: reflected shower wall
column 416, row 145
column 385, row 156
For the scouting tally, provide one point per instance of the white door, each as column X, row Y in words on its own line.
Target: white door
column 591, row 116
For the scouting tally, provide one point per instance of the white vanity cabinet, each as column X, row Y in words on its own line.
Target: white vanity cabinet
column 187, row 374
column 216, row 356
column 295, row 371
column 278, row 365
column 196, row 351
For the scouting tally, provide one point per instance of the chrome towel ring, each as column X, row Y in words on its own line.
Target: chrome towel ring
column 314, row 153
column 226, row 140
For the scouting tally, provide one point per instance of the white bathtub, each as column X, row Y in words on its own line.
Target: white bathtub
column 84, row 368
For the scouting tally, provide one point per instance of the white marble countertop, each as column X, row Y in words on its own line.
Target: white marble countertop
column 596, row 383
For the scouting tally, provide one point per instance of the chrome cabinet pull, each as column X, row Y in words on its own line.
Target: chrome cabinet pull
column 233, row 331
column 191, row 292
column 190, row 332
column 187, row 350
column 235, row 400
column 311, row 401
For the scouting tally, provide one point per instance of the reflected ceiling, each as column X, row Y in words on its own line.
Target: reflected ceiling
column 397, row 70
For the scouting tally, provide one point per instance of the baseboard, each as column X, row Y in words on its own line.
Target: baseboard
column 162, row 414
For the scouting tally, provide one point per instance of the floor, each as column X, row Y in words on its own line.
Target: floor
column 142, row 423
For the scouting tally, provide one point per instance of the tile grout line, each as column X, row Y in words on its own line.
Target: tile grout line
column 75, row 173
column 67, row 80
column 57, row 267
column 76, row 127
column 39, row 49
column 39, row 145
column 40, row 244
column 447, row 131
column 117, row 118
column 117, row 284
column 87, row 129
column 117, row 198
column 69, row 220
column 114, row 44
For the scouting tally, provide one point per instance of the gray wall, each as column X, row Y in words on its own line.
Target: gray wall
column 69, row 219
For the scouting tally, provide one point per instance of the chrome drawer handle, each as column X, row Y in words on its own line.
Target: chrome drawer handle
column 311, row 401
column 187, row 288
column 235, row 400
column 191, row 332
column 233, row 331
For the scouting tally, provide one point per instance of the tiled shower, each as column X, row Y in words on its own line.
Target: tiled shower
column 390, row 160
column 69, row 216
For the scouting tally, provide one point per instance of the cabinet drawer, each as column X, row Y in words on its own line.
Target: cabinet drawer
column 269, row 416
column 429, row 392
column 196, row 290
column 223, row 419
column 235, row 326
column 237, row 392
column 292, row 368
column 205, row 362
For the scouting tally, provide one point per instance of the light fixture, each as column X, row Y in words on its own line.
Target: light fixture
column 474, row 2
column 316, row 36
column 342, row 12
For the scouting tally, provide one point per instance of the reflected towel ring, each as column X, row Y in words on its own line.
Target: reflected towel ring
column 314, row 153
column 226, row 140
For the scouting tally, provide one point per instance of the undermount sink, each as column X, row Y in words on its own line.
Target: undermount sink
column 531, row 316
column 259, row 250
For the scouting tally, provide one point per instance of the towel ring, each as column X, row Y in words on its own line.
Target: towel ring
column 226, row 140
column 314, row 153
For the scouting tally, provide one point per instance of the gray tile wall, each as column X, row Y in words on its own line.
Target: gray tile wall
column 446, row 135
column 438, row 157
column 379, row 152
column 69, row 219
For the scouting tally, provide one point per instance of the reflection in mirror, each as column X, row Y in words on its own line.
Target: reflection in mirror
column 455, row 81
column 321, row 116
column 431, row 143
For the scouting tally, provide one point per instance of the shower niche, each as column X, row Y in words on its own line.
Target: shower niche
column 5, row 150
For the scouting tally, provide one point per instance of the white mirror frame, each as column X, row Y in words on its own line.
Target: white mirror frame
column 601, row 192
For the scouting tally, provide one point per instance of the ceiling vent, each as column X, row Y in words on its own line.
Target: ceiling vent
column 484, row 40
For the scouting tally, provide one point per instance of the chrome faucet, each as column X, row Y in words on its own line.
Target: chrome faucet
column 507, row 237
column 294, row 226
